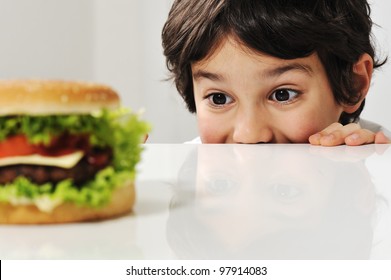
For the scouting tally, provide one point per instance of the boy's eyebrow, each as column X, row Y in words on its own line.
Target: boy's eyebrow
column 207, row 75
column 289, row 67
column 269, row 73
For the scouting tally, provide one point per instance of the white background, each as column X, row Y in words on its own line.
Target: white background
column 118, row 42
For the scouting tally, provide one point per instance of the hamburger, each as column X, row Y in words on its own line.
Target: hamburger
column 68, row 152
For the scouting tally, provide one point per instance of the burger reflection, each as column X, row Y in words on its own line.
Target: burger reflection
column 272, row 202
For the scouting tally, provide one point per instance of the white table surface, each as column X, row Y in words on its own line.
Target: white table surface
column 235, row 202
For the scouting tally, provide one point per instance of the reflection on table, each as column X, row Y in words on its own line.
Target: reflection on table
column 274, row 202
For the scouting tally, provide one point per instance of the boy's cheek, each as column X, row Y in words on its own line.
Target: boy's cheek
column 211, row 131
column 299, row 132
column 211, row 136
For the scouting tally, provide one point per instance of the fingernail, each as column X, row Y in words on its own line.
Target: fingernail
column 353, row 137
column 316, row 137
column 329, row 137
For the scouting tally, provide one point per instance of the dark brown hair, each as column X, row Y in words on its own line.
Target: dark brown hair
column 339, row 31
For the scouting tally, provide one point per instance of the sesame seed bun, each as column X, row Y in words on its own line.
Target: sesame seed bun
column 48, row 97
column 122, row 201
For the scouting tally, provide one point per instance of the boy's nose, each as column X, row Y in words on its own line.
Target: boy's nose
column 252, row 130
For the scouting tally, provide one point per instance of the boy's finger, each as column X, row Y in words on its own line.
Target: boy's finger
column 332, row 127
column 333, row 139
column 337, row 136
column 380, row 138
column 315, row 138
column 360, row 137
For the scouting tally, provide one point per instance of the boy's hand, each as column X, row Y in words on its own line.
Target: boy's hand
column 351, row 134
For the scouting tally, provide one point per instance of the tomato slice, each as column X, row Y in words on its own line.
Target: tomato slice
column 18, row 145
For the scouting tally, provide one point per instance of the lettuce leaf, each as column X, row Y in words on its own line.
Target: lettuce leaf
column 120, row 129
column 40, row 129
column 95, row 193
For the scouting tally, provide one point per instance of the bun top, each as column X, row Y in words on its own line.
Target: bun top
column 54, row 97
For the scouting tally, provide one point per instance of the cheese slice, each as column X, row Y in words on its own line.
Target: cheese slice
column 66, row 161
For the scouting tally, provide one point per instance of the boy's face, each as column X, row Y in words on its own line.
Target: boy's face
column 246, row 97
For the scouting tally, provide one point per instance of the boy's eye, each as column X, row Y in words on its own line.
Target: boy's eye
column 285, row 192
column 219, row 99
column 283, row 95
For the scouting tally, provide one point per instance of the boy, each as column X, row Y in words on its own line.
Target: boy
column 281, row 71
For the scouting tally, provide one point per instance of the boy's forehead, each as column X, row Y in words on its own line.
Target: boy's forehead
column 227, row 45
column 229, row 50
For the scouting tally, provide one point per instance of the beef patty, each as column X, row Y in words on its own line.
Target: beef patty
column 83, row 171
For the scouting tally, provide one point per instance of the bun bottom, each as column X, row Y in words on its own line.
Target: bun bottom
column 122, row 201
